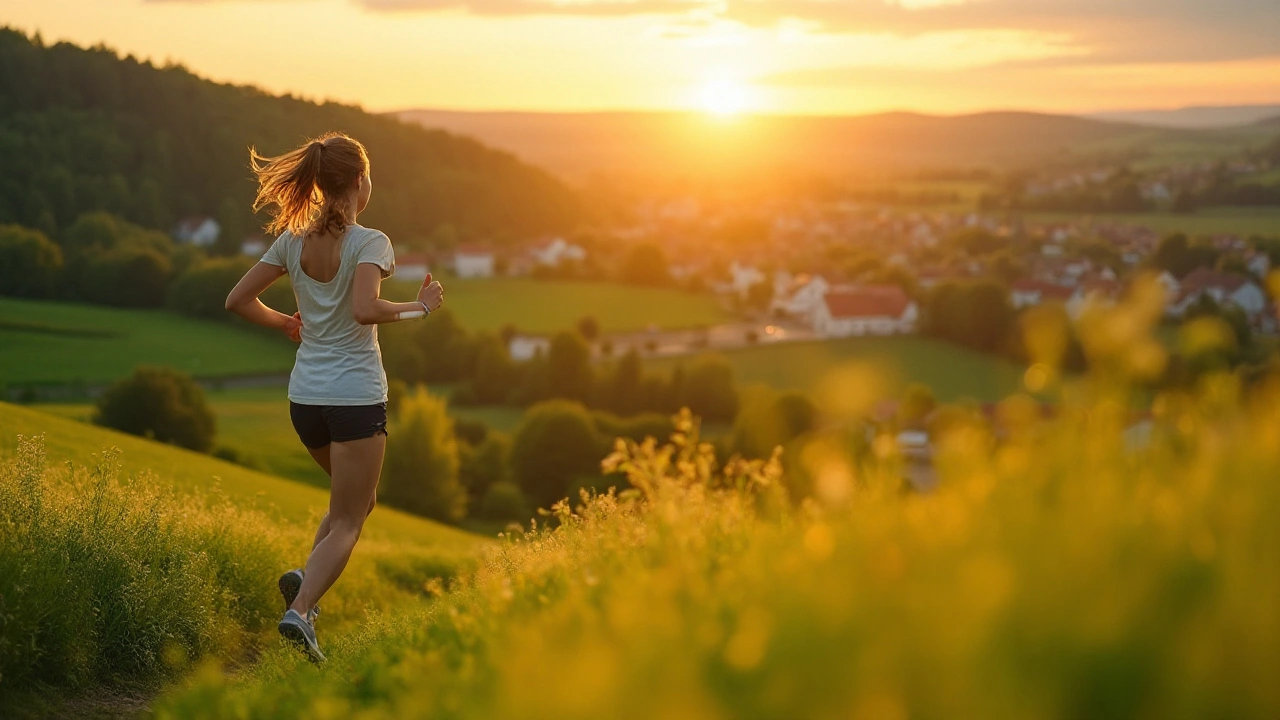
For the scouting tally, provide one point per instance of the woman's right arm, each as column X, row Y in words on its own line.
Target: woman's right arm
column 243, row 301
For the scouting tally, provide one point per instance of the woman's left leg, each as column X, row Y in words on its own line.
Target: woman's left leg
column 321, row 456
column 356, row 466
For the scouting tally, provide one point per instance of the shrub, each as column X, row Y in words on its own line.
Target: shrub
column 30, row 264
column 420, row 473
column 484, row 465
column 769, row 420
column 162, row 404
column 709, row 390
column 505, row 502
column 555, row 443
column 201, row 291
column 569, row 372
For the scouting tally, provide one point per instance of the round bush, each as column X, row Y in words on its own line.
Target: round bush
column 505, row 502
column 556, row 443
column 162, row 404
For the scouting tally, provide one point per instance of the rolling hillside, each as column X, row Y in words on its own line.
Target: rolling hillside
column 190, row 472
column 689, row 146
column 84, row 129
column 692, row 145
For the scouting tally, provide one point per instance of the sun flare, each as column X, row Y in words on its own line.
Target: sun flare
column 724, row 97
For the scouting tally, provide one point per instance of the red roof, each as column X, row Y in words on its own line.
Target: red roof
column 1203, row 278
column 868, row 301
column 412, row 259
column 474, row 250
column 1046, row 289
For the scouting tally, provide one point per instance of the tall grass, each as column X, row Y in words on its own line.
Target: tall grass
column 1065, row 568
column 129, row 583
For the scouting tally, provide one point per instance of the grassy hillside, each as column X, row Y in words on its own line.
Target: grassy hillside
column 54, row 342
column 1060, row 572
column 124, row 562
column 255, row 424
column 190, row 472
column 951, row 371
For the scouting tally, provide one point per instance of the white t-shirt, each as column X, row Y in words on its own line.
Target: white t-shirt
column 338, row 362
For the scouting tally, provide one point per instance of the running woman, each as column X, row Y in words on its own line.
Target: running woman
column 338, row 389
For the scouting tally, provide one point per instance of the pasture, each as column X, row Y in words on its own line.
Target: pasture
column 542, row 307
column 953, row 372
column 1242, row 221
column 55, row 342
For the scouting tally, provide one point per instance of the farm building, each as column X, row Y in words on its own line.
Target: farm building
column 472, row 261
column 865, row 310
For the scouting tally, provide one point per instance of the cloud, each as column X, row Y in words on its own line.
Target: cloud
column 1113, row 30
column 1107, row 31
column 586, row 8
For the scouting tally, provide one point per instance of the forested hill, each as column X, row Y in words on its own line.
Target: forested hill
column 85, row 129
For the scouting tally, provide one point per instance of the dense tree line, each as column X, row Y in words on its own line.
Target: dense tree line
column 85, row 130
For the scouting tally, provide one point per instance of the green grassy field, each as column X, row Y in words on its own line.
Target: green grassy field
column 255, row 423
column 539, row 306
column 53, row 342
column 71, row 441
column 953, row 372
column 1238, row 221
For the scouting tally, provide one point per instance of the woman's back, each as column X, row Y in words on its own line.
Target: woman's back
column 338, row 362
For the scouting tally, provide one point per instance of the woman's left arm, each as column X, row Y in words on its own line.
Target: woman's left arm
column 369, row 309
column 243, row 301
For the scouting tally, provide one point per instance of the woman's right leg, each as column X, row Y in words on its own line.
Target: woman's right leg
column 356, row 466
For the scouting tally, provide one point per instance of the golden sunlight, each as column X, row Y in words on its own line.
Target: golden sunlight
column 724, row 96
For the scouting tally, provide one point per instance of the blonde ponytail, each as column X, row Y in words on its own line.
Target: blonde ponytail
column 304, row 189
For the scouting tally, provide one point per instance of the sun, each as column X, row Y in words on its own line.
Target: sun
column 724, row 97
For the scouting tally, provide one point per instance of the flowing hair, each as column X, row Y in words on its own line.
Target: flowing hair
column 303, row 189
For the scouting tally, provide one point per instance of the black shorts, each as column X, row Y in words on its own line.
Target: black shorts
column 319, row 425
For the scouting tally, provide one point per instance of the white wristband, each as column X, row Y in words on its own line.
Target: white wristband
column 414, row 314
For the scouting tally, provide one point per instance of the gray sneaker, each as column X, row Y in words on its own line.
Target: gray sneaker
column 298, row 631
column 290, row 584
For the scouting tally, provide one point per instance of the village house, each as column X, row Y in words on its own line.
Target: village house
column 198, row 231
column 472, row 261
column 254, row 246
column 556, row 251
column 802, row 297
column 1096, row 291
column 1027, row 292
column 1224, row 288
column 411, row 267
column 865, row 310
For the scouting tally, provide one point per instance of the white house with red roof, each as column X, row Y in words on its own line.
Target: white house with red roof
column 1029, row 291
column 1224, row 288
column 865, row 310
column 473, row 261
column 411, row 267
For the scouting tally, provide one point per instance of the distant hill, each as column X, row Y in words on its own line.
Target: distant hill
column 1205, row 116
column 696, row 146
column 85, row 129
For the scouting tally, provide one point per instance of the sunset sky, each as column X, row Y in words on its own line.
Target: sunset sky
column 776, row 56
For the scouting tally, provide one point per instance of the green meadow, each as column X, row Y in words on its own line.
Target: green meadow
column 55, row 342
column 952, row 372
column 541, row 307
column 1243, row 221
